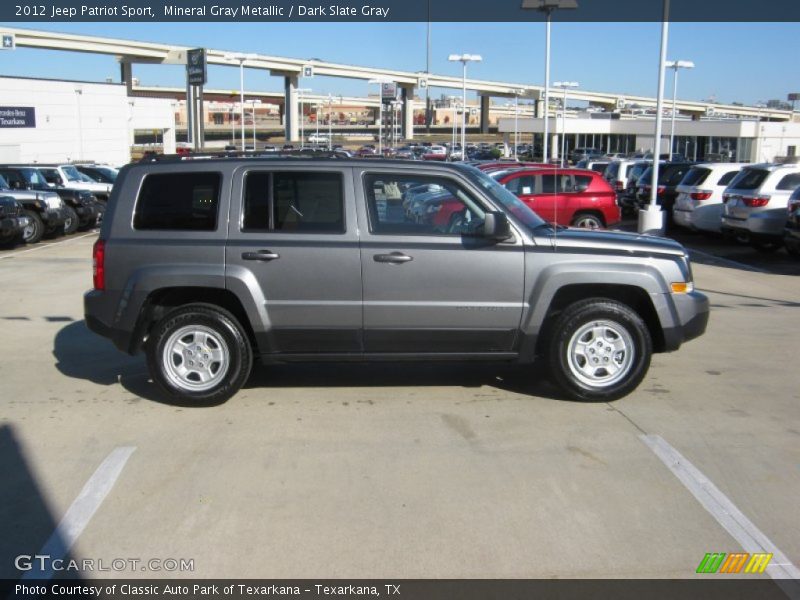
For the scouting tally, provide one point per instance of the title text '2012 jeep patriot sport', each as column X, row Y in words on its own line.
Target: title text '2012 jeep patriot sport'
column 205, row 264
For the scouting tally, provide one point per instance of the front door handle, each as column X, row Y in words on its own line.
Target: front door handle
column 262, row 255
column 393, row 258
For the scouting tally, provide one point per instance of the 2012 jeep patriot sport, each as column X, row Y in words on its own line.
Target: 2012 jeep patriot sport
column 205, row 264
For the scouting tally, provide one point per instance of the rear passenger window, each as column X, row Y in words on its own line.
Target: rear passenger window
column 178, row 201
column 293, row 202
column 789, row 182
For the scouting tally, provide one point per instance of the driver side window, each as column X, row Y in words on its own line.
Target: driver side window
column 417, row 205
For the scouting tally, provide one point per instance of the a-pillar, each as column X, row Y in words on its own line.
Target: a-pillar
column 407, row 96
column 291, row 108
column 485, row 108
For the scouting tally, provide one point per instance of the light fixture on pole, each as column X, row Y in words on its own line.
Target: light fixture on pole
column 564, row 85
column 517, row 93
column 547, row 7
column 380, row 83
column 241, row 58
column 464, row 59
column 300, row 92
column 675, row 65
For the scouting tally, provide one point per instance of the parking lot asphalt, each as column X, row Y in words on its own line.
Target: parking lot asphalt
column 395, row 470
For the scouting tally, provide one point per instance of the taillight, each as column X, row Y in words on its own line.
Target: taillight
column 701, row 195
column 99, row 264
column 755, row 201
column 661, row 189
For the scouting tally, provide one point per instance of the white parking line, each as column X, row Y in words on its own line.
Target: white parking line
column 82, row 510
column 45, row 246
column 750, row 537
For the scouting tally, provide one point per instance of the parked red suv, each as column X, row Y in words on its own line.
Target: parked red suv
column 575, row 197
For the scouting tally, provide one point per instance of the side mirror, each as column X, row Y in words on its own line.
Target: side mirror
column 496, row 226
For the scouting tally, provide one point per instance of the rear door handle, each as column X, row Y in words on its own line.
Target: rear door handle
column 394, row 258
column 262, row 255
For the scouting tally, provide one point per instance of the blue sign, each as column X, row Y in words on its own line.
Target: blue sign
column 8, row 41
column 17, row 116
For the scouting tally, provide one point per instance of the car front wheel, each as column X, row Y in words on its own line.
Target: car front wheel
column 600, row 350
column 71, row 221
column 199, row 355
column 34, row 230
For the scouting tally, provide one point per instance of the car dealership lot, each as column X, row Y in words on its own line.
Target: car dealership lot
column 396, row 470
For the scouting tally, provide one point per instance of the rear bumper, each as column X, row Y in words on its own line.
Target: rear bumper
column 692, row 319
column 99, row 315
column 766, row 224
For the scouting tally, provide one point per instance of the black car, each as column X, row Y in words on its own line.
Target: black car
column 669, row 177
column 83, row 210
column 791, row 236
column 12, row 221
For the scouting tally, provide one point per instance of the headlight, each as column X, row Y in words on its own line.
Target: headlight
column 53, row 201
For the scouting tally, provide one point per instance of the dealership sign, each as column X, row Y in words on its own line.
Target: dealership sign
column 17, row 116
column 196, row 66
column 388, row 91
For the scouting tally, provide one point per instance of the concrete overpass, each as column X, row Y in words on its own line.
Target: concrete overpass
column 130, row 52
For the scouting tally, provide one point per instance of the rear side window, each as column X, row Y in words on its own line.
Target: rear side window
column 789, row 182
column 293, row 202
column 178, row 201
column 749, row 179
column 727, row 178
column 612, row 170
column 696, row 176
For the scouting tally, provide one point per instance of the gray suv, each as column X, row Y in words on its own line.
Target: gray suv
column 208, row 264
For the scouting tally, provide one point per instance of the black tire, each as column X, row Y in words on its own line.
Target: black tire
column 583, row 219
column 599, row 313
column 34, row 232
column 71, row 221
column 793, row 250
column 230, row 339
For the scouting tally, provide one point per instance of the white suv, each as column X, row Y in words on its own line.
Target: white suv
column 69, row 177
column 698, row 205
column 756, row 202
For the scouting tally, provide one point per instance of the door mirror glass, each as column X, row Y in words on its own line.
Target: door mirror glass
column 496, row 226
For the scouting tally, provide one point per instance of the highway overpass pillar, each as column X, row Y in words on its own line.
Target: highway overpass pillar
column 126, row 75
column 291, row 109
column 407, row 96
column 485, row 108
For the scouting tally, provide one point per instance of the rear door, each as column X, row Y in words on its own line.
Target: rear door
column 428, row 287
column 294, row 232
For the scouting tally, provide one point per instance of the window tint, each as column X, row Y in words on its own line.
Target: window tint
column 51, row 176
column 293, row 202
column 612, row 170
column 178, row 201
column 555, row 184
column 789, row 182
column 749, row 179
column 417, row 205
column 522, row 185
column 599, row 167
column 696, row 176
column 727, row 178
column 673, row 175
column 581, row 182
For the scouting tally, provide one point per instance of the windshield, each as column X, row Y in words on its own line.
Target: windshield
column 506, row 199
column 72, row 174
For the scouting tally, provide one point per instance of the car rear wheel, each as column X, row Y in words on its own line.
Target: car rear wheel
column 33, row 232
column 600, row 350
column 199, row 355
column 71, row 222
column 588, row 221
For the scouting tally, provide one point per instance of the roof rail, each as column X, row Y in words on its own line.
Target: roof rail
column 260, row 154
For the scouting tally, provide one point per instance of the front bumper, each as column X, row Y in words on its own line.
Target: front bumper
column 54, row 217
column 88, row 212
column 11, row 227
column 692, row 312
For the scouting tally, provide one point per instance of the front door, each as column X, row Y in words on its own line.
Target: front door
column 429, row 285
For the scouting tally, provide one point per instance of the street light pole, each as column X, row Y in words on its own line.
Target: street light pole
column 564, row 85
column 675, row 65
column 547, row 7
column 240, row 58
column 464, row 59
column 300, row 92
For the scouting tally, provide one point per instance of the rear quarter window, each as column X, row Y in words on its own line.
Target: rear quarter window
column 178, row 202
column 789, row 182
